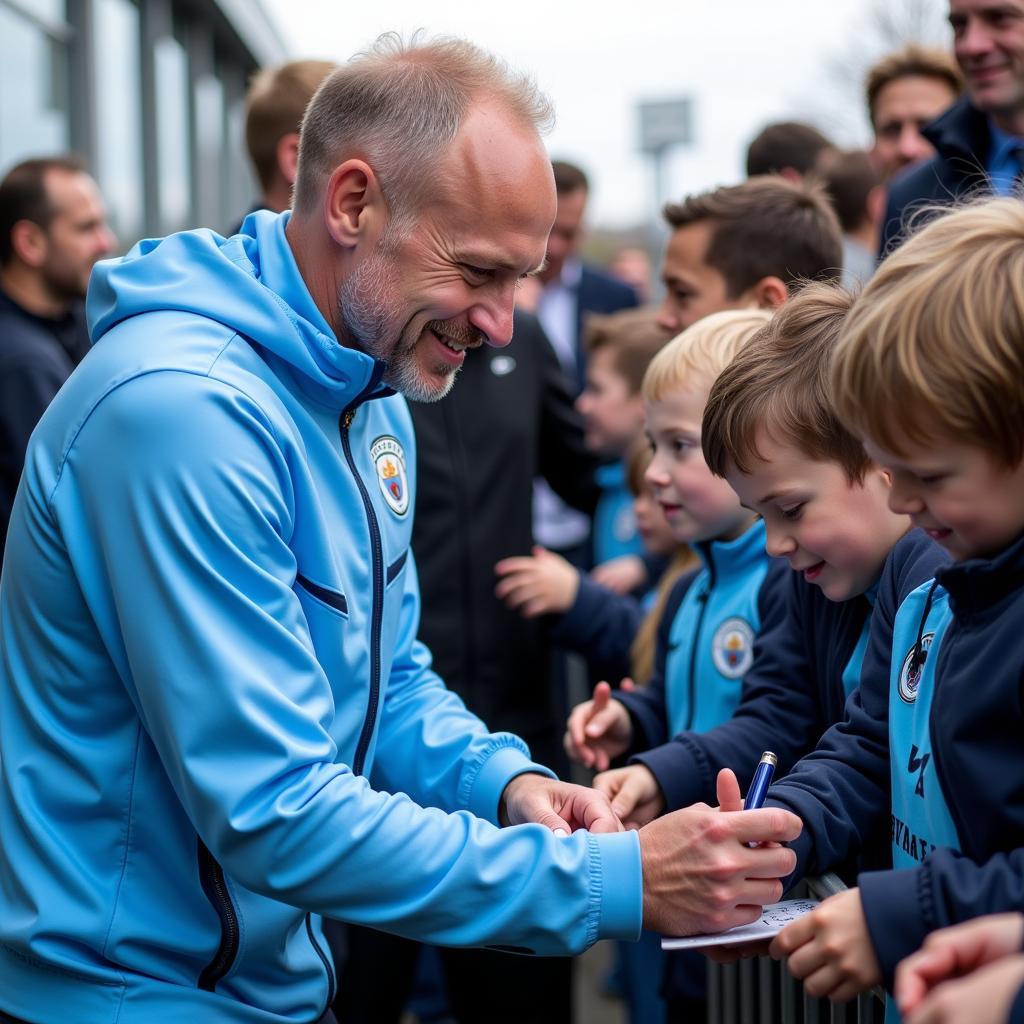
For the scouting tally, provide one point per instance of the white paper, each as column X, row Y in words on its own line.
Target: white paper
column 774, row 917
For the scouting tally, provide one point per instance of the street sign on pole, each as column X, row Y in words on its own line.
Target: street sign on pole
column 665, row 123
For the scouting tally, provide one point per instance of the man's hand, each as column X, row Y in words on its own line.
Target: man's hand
column 599, row 729
column 830, row 949
column 537, row 585
column 701, row 876
column 954, row 952
column 559, row 806
column 622, row 575
column 634, row 794
column 984, row 997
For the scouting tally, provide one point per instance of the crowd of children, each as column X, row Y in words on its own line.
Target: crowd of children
column 849, row 473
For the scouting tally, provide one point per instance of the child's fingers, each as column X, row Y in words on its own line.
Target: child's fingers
column 577, row 724
column 792, row 937
column 517, row 563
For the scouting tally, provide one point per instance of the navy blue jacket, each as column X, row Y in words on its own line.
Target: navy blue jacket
column 793, row 692
column 601, row 625
column 962, row 141
column 597, row 292
column 37, row 355
column 977, row 720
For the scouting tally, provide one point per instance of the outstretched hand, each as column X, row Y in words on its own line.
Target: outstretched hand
column 539, row 584
column 599, row 729
column 954, row 952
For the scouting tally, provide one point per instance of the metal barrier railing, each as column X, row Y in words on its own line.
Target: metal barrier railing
column 762, row 991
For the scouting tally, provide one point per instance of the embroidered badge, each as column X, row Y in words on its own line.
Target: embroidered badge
column 732, row 647
column 389, row 462
column 910, row 673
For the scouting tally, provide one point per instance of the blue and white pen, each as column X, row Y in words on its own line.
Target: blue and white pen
column 761, row 781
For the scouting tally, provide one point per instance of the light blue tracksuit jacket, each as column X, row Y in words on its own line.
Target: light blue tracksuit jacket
column 216, row 722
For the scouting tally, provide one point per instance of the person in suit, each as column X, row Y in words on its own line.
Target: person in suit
column 562, row 295
column 979, row 141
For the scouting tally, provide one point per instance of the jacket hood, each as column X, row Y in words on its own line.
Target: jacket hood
column 251, row 284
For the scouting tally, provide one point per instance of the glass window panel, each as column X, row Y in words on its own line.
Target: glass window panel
column 34, row 98
column 50, row 10
column 209, row 135
column 119, row 115
column 173, row 140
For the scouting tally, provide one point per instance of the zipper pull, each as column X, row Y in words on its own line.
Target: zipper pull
column 347, row 417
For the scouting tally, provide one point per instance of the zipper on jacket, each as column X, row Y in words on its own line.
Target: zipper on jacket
column 326, row 960
column 377, row 609
column 702, row 600
column 211, row 877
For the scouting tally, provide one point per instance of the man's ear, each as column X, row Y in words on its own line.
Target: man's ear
column 29, row 242
column 288, row 156
column 354, row 205
column 769, row 293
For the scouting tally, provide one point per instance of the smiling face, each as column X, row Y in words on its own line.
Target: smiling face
column 958, row 494
column 988, row 42
column 418, row 299
column 835, row 532
column 698, row 505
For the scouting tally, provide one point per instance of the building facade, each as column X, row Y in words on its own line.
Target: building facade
column 149, row 92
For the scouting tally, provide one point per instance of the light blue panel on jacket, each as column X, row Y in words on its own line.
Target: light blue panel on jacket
column 711, row 643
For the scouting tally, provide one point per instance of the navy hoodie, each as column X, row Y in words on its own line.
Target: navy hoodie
column 793, row 692
column 843, row 788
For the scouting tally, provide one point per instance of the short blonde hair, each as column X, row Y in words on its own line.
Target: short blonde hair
column 934, row 346
column 704, row 350
column 780, row 386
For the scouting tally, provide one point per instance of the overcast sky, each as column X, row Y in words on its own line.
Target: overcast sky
column 742, row 62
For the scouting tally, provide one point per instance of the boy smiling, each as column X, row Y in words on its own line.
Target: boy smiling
column 769, row 429
column 930, row 372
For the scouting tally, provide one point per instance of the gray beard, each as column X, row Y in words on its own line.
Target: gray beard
column 363, row 303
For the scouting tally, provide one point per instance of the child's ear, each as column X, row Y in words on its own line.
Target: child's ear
column 769, row 293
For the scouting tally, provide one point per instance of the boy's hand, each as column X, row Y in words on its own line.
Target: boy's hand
column 700, row 874
column 622, row 575
column 537, row 585
column 830, row 948
column 598, row 729
column 984, row 997
column 634, row 794
column 954, row 952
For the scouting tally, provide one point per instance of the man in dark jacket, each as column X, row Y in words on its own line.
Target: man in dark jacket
column 52, row 230
column 979, row 140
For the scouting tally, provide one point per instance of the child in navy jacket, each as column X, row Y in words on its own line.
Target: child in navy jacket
column 710, row 620
column 929, row 372
column 769, row 429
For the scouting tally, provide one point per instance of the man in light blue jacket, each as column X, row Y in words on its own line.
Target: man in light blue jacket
column 216, row 723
